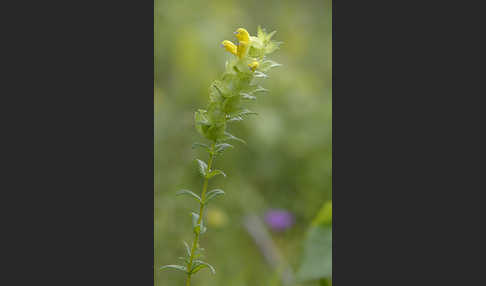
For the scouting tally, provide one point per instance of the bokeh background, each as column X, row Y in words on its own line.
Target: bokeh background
column 286, row 164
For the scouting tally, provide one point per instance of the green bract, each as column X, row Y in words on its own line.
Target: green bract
column 237, row 85
column 227, row 96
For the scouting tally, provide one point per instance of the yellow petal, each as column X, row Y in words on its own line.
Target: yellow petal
column 230, row 47
column 242, row 48
column 242, row 35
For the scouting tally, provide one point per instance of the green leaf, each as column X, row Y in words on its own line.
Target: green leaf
column 188, row 249
column 197, row 268
column 219, row 90
column 260, row 32
column 201, row 264
column 235, row 118
column 238, row 116
column 176, row 267
column 269, row 36
column 324, row 216
column 259, row 89
column 195, row 218
column 229, row 136
column 203, row 167
column 197, row 228
column 247, row 96
column 246, row 112
column 268, row 64
column 215, row 173
column 317, row 258
column 259, row 74
column 200, row 145
column 190, row 193
column 223, row 146
column 185, row 259
column 212, row 194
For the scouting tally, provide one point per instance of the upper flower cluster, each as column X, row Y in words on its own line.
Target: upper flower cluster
column 238, row 83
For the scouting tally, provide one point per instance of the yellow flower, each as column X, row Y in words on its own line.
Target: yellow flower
column 230, row 47
column 242, row 48
column 254, row 65
column 242, row 35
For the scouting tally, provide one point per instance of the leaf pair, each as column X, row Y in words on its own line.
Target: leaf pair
column 228, row 136
column 209, row 196
column 222, row 146
column 205, row 172
column 198, row 265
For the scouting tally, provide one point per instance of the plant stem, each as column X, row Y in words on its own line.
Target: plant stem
column 201, row 213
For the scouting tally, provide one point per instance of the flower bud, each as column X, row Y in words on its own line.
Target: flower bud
column 254, row 65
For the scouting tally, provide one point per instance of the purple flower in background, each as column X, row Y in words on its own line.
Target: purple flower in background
column 279, row 220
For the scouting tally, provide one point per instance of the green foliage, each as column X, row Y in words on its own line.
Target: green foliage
column 287, row 162
column 317, row 259
column 199, row 264
column 203, row 167
column 189, row 193
column 226, row 98
column 212, row 194
column 176, row 267
column 317, row 262
column 215, row 173
column 324, row 216
column 237, row 84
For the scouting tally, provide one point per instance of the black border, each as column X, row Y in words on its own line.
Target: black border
column 78, row 143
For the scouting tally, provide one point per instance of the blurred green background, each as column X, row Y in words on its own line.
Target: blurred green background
column 286, row 163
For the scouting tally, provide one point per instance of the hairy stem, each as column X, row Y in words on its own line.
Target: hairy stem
column 195, row 243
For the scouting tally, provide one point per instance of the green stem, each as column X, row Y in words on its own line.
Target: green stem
column 201, row 213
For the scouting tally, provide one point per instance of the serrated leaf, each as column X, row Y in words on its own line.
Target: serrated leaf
column 223, row 146
column 199, row 145
column 218, row 89
column 245, row 112
column 202, row 167
column 188, row 249
column 247, row 96
column 229, row 136
column 260, row 32
column 259, row 89
column 200, row 117
column 189, row 193
column 215, row 173
column 176, row 267
column 201, row 264
column 238, row 116
column 235, row 118
column 259, row 74
column 268, row 64
column 212, row 194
